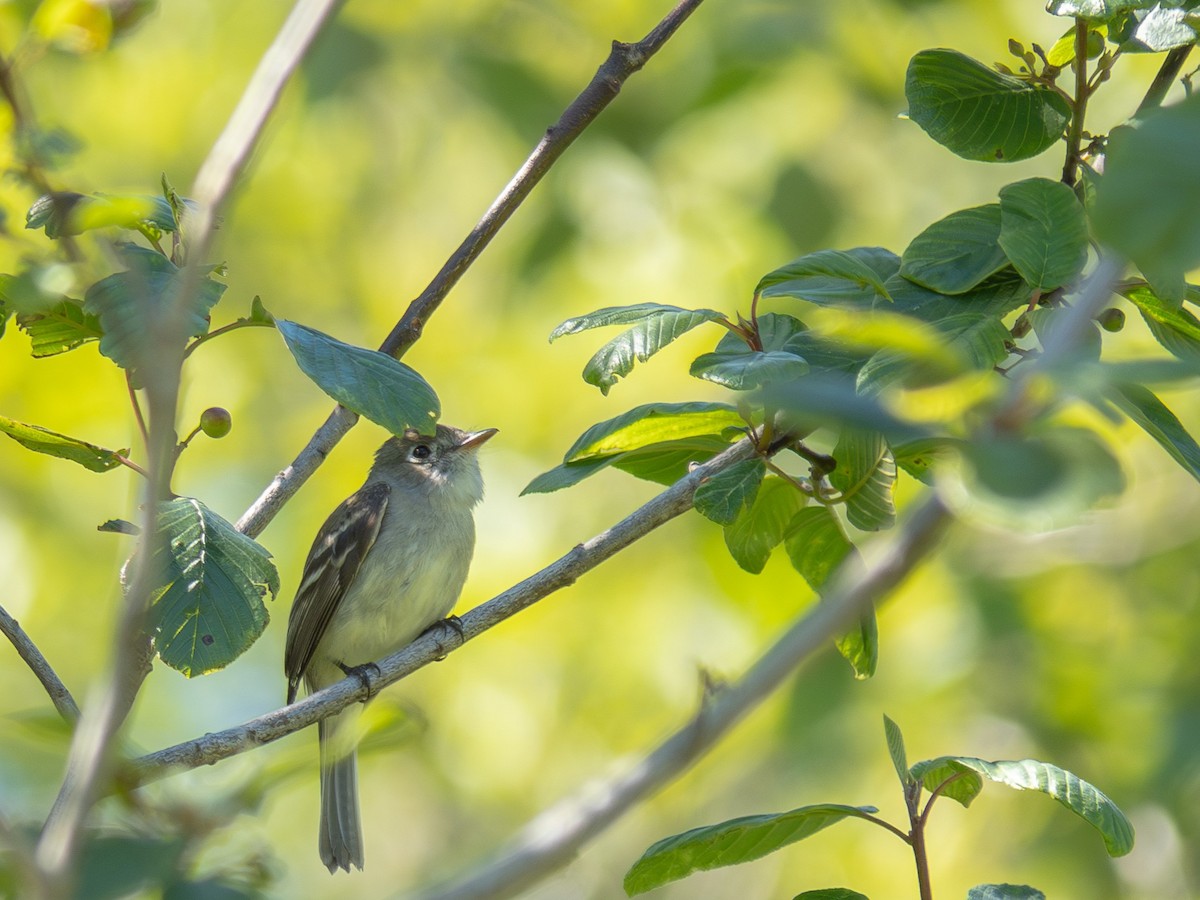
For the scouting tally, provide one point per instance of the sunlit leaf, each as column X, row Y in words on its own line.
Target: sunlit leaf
column 51, row 443
column 370, row 383
column 1096, row 9
column 830, row 272
column 1043, row 231
column 957, row 253
column 722, row 497
column 760, row 526
column 1165, row 28
column 729, row 843
column 815, row 544
column 209, row 608
column 627, row 315
column 652, row 423
column 1173, row 327
column 1144, row 408
column 1077, row 795
column 61, row 328
column 666, row 462
column 895, row 745
column 919, row 457
column 979, row 113
column 866, row 477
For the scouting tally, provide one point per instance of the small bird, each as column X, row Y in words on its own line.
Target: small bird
column 387, row 564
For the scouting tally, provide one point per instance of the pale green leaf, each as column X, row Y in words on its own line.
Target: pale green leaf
column 760, row 526
column 652, row 423
column 51, row 443
column 866, row 477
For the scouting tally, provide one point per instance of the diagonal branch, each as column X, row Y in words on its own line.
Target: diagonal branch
column 435, row 644
column 28, row 651
column 622, row 62
column 556, row 835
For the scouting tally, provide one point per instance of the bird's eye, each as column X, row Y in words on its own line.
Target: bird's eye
column 421, row 451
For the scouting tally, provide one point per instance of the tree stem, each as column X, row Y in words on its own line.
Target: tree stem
column 1079, row 106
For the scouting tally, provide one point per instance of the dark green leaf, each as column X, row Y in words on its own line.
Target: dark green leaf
column 667, row 461
column 979, row 113
column 866, row 477
column 827, row 273
column 996, row 297
column 118, row 526
column 655, row 326
column 652, row 423
column 40, row 440
column 732, row 842
column 723, row 496
column 1147, row 200
column 787, row 334
column 368, row 382
column 817, row 400
column 1174, row 327
column 1144, row 408
column 1077, row 795
column 209, row 608
column 895, row 745
column 1004, row 892
column 831, row 894
column 135, row 307
column 1043, row 231
column 117, row 866
column 957, row 253
column 741, row 370
column 61, row 328
column 760, row 526
column 567, row 475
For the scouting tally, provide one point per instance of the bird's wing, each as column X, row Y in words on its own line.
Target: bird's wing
column 332, row 565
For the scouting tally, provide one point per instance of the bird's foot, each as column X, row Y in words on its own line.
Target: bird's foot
column 366, row 673
column 437, row 629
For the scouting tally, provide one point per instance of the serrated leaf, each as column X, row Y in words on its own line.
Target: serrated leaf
column 1077, row 795
column 368, row 382
column 745, row 369
column 958, row 252
column 866, row 477
column 723, row 496
column 1145, row 409
column 730, row 843
column 760, row 526
column 1155, row 159
column 895, row 745
column 135, row 307
column 655, row 326
column 978, row 113
column 63, row 327
column 1004, row 892
column 209, row 608
column 1043, row 231
column 652, row 423
column 832, row 276
column 1172, row 326
column 51, row 443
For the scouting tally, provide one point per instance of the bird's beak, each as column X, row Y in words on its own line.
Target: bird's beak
column 476, row 438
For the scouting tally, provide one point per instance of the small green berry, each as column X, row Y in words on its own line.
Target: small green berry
column 216, row 422
column 1112, row 319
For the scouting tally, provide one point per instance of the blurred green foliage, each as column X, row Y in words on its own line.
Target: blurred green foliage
column 765, row 130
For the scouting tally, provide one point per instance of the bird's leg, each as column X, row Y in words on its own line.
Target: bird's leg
column 362, row 673
column 455, row 624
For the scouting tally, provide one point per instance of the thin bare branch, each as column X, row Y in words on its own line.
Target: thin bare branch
column 556, row 835
column 28, row 651
column 623, row 61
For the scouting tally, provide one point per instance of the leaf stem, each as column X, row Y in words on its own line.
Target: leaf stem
column 129, row 463
column 1079, row 104
column 916, row 840
column 224, row 329
column 937, row 792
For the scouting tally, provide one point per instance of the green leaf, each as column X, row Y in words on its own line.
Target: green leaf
column 1144, row 408
column 787, row 334
column 135, row 307
column 69, row 213
column 744, row 369
column 1172, row 326
column 664, row 462
column 830, row 276
column 957, row 253
column 866, row 477
column 1004, row 892
column 996, row 297
column 1038, row 482
column 63, row 327
column 114, row 866
column 1046, row 322
column 652, row 423
column 760, row 526
column 831, row 894
column 1043, row 231
column 209, row 608
column 723, row 496
column 1165, row 28
column 973, row 342
column 815, row 544
column 950, row 778
column 860, row 646
column 567, row 475
column 919, row 457
column 1077, row 795
column 1062, row 52
column 981, row 114
column 834, row 266
column 819, row 400
column 1146, row 202
column 895, row 745
column 730, row 843
column 40, row 440
column 655, row 326
column 1096, row 9
column 368, row 382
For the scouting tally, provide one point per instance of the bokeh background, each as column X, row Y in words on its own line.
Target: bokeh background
column 765, row 129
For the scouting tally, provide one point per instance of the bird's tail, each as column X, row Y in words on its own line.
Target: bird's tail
column 339, row 835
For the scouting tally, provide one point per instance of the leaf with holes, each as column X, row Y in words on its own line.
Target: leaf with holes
column 732, row 842
column 978, row 113
column 209, row 607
